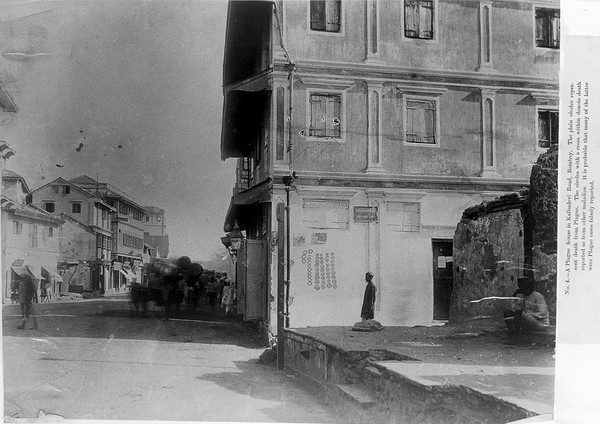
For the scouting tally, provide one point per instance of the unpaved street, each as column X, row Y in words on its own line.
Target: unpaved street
column 91, row 360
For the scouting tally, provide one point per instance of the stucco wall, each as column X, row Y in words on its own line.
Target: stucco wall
column 302, row 43
column 402, row 261
column 514, row 50
column 457, row 153
column 77, row 243
column 131, row 229
column 16, row 247
column 456, row 44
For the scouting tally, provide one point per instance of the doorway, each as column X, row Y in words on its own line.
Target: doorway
column 252, row 280
column 442, row 278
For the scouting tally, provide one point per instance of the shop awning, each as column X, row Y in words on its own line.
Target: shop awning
column 125, row 274
column 131, row 273
column 35, row 271
column 20, row 270
column 49, row 272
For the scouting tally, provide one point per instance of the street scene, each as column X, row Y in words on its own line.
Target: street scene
column 280, row 211
column 91, row 360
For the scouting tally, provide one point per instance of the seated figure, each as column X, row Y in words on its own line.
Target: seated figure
column 529, row 313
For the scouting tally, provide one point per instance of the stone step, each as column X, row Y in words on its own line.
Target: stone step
column 357, row 393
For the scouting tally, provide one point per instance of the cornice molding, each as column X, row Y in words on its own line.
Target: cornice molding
column 421, row 89
column 405, row 75
column 353, row 181
column 331, row 83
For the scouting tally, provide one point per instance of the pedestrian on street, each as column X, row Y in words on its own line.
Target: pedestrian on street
column 45, row 293
column 26, row 291
column 211, row 290
column 228, row 297
column 220, row 285
column 368, row 307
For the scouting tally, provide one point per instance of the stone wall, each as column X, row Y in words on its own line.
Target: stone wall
column 498, row 241
column 488, row 257
column 544, row 219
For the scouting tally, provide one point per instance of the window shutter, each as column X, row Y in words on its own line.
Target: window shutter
column 425, row 19
column 430, row 125
column 543, row 129
column 421, row 123
column 336, row 121
column 540, row 29
column 333, row 15
column 411, row 219
column 553, row 127
column 317, row 15
column 317, row 112
column 555, row 29
column 410, row 124
column 411, row 19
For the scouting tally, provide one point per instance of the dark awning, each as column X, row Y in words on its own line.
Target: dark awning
column 126, row 274
column 20, row 270
column 243, row 116
column 245, row 203
column 49, row 272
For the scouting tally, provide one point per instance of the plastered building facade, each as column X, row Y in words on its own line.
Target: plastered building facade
column 386, row 119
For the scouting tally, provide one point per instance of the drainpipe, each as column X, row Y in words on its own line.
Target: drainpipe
column 290, row 68
column 288, row 180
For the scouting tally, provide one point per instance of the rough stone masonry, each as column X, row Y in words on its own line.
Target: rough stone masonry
column 496, row 242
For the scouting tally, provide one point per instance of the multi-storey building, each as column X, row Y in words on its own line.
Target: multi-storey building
column 30, row 240
column 155, row 231
column 86, row 238
column 127, row 228
column 386, row 119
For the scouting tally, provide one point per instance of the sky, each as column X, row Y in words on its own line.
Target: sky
column 128, row 92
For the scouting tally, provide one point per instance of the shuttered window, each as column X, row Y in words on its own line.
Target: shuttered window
column 33, row 235
column 547, row 128
column 418, row 19
column 325, row 111
column 325, row 15
column 547, row 28
column 421, row 121
column 326, row 213
column 403, row 217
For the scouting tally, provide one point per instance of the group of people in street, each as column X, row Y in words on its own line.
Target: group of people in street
column 171, row 285
column 221, row 291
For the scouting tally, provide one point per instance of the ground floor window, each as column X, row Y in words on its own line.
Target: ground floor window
column 325, row 213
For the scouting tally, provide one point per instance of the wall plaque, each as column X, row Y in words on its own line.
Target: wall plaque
column 366, row 214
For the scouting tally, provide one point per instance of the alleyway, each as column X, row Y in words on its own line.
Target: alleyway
column 91, row 360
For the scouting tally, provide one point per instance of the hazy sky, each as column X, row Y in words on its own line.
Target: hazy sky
column 128, row 91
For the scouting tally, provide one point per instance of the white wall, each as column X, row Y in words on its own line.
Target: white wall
column 402, row 261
